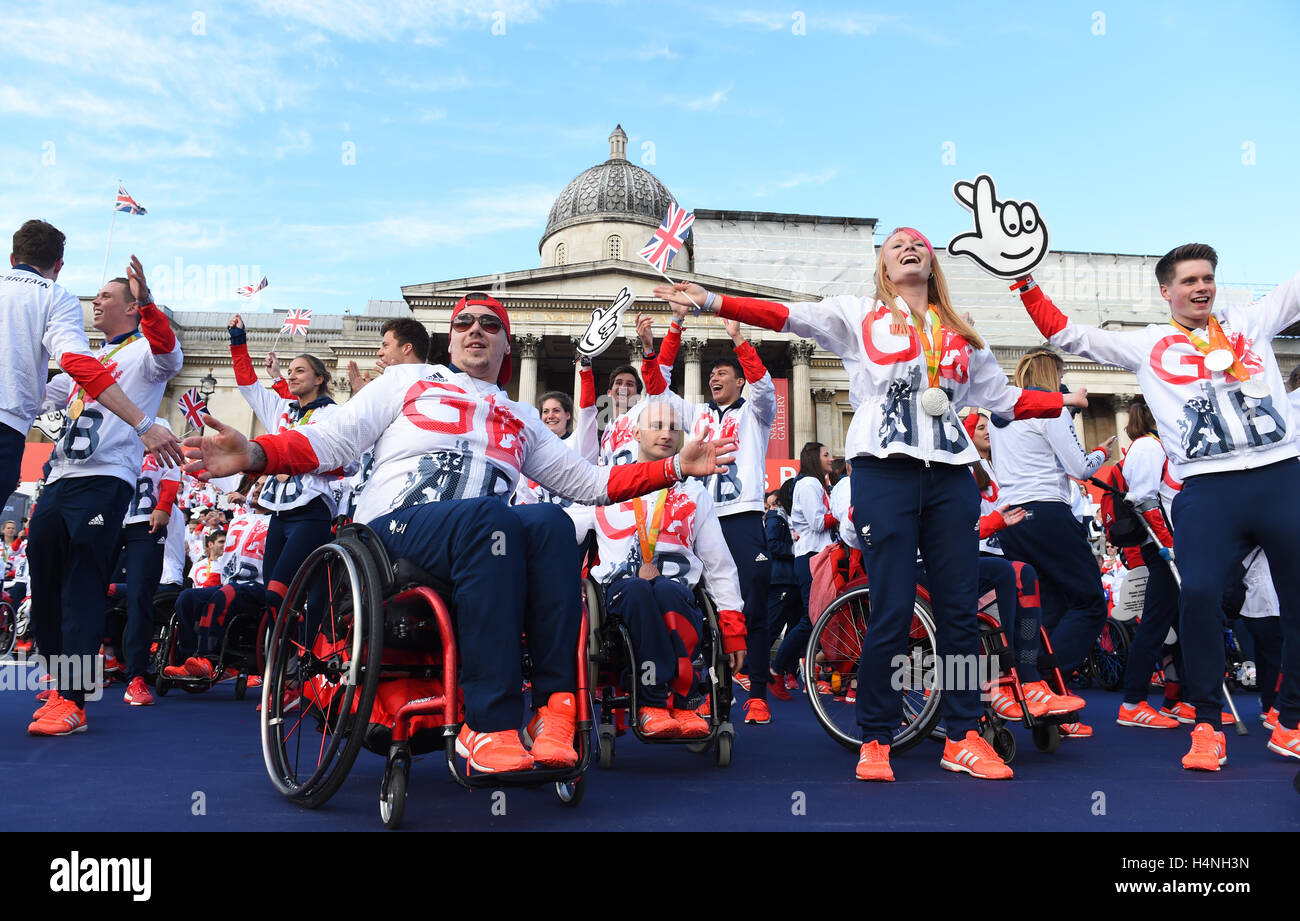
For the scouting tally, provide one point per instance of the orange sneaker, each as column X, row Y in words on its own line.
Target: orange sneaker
column 1209, row 749
column 198, row 667
column 1005, row 706
column 47, row 706
column 690, row 724
column 974, row 756
column 175, row 671
column 1286, row 742
column 1075, row 731
column 658, row 723
column 1185, row 713
column 756, row 711
column 873, row 762
column 492, row 752
column 703, row 709
column 63, row 719
column 551, row 731
column 254, row 681
column 137, row 693
column 1038, row 693
column 1144, row 716
column 1270, row 718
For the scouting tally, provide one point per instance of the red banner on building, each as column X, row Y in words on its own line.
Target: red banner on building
column 778, row 444
column 778, row 471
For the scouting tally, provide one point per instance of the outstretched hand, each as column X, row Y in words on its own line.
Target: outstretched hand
column 163, row 444
column 683, row 296
column 222, row 454
column 1011, row 515
column 1076, row 398
column 705, row 458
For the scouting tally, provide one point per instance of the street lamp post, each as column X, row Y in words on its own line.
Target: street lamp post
column 207, row 387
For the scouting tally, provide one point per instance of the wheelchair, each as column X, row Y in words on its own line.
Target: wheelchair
column 835, row 646
column 613, row 672
column 243, row 647
column 363, row 653
column 9, row 627
column 164, row 600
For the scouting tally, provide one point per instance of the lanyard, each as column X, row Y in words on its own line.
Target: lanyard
column 1218, row 340
column 931, row 344
column 104, row 359
column 651, row 538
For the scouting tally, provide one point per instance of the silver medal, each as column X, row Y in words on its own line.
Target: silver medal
column 934, row 401
column 1218, row 360
column 1256, row 387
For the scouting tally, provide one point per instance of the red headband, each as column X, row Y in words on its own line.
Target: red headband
column 479, row 299
column 972, row 419
column 915, row 235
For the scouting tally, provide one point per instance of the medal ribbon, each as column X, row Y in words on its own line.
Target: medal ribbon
column 649, row 538
column 1218, row 340
column 104, row 359
column 931, row 339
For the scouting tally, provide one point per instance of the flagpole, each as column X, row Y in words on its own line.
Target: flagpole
column 670, row 281
column 104, row 275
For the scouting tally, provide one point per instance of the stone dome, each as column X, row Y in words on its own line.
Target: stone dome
column 614, row 190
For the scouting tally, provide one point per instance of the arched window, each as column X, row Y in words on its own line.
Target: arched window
column 560, row 253
column 614, row 247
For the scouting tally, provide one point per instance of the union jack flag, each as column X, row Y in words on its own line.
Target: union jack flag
column 250, row 290
column 296, row 322
column 191, row 404
column 127, row 203
column 668, row 239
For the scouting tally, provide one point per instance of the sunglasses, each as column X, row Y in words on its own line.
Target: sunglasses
column 464, row 322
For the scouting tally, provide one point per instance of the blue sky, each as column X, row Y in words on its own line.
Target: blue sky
column 1134, row 126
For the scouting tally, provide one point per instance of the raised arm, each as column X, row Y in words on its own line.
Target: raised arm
column 584, row 423
column 1065, row 445
column 827, row 322
column 267, row 406
column 1123, row 349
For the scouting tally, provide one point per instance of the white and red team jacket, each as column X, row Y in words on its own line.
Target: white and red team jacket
column 887, row 375
column 156, row 487
column 842, row 511
column 438, row 435
column 582, row 440
column 812, row 525
column 1207, row 424
column 1034, row 459
column 1147, row 472
column 98, row 443
column 278, row 414
column 241, row 557
column 741, row 488
column 991, row 521
column 41, row 319
column 690, row 545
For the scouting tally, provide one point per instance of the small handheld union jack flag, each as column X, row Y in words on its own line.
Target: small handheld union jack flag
column 191, row 404
column 296, row 322
column 250, row 290
column 668, row 239
column 127, row 203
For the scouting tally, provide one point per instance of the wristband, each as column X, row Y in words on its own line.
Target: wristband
column 677, row 324
column 1021, row 285
column 674, row 470
column 708, row 302
column 142, row 426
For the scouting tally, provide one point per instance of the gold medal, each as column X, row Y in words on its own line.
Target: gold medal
column 75, row 409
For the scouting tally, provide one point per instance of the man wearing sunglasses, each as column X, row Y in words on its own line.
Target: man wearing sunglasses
column 449, row 448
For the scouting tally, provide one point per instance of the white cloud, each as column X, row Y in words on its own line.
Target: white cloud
column 710, row 102
column 388, row 20
column 292, row 141
column 799, row 179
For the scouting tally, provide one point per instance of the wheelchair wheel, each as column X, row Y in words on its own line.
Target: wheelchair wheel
column 8, row 629
column 241, row 686
column 322, row 672
column 1047, row 737
column 722, row 753
column 835, row 645
column 392, row 793
column 571, row 793
column 1109, row 656
column 1001, row 739
column 165, row 655
column 607, row 749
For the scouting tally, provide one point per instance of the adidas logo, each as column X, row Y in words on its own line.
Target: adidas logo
column 98, row 519
column 761, row 558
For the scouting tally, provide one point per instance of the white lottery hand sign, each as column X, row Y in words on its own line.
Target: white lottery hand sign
column 50, row 424
column 1009, row 238
column 606, row 323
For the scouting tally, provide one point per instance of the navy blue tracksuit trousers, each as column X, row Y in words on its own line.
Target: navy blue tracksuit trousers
column 141, row 556
column 900, row 506
column 1019, row 611
column 795, row 643
column 1218, row 518
column 1074, row 604
column 743, row 533
column 291, row 537
column 514, row 571
column 1159, row 613
column 70, row 537
column 665, row 626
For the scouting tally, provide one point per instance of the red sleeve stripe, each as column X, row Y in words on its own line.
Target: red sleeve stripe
column 653, row 377
column 672, row 342
column 93, row 377
column 587, row 394
column 167, row 494
column 289, row 452
column 281, row 386
column 244, row 372
column 767, row 314
column 1046, row 315
column 1038, row 404
column 156, row 329
column 627, row 481
column 749, row 360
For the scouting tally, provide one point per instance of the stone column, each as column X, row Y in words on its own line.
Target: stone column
column 1122, row 402
column 825, row 430
column 527, row 347
column 692, row 388
column 801, row 353
column 634, row 353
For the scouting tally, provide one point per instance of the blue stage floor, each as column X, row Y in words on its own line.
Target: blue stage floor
column 139, row 768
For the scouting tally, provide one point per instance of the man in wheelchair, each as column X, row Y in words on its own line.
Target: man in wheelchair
column 449, row 447
column 653, row 550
